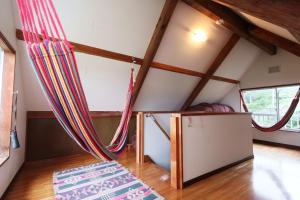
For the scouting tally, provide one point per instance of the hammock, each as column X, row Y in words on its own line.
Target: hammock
column 55, row 66
column 282, row 122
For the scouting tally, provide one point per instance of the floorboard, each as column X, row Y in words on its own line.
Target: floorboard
column 273, row 174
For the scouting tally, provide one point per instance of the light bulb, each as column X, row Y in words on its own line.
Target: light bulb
column 199, row 36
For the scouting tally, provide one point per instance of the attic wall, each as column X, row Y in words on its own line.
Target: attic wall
column 127, row 27
column 258, row 76
column 234, row 66
column 16, row 159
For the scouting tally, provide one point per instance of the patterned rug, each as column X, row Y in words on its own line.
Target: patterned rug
column 101, row 181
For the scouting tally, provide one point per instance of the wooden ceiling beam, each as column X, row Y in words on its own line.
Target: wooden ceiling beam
column 211, row 70
column 281, row 42
column 127, row 58
column 231, row 21
column 157, row 36
column 282, row 13
column 296, row 35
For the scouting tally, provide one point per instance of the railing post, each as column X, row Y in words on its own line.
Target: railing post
column 176, row 152
column 140, row 138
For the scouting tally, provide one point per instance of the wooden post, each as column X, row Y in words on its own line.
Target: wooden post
column 176, row 152
column 140, row 138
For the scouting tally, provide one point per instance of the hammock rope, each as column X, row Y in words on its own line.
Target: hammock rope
column 282, row 122
column 54, row 63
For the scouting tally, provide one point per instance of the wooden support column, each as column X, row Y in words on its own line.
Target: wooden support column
column 157, row 36
column 176, row 152
column 231, row 21
column 211, row 70
column 140, row 138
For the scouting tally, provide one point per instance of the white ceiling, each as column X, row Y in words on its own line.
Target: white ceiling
column 270, row 27
column 126, row 27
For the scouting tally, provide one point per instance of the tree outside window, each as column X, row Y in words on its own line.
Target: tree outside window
column 269, row 105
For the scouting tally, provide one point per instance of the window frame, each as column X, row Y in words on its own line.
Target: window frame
column 277, row 104
column 9, row 61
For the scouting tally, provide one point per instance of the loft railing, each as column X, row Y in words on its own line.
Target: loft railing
column 159, row 126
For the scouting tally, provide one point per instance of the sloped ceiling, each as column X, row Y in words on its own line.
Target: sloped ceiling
column 234, row 66
column 126, row 27
column 270, row 27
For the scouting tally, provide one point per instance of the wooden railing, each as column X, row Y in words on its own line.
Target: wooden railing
column 159, row 126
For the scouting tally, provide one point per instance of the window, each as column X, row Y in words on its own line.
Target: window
column 7, row 65
column 269, row 105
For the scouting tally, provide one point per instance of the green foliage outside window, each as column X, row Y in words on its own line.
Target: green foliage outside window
column 270, row 105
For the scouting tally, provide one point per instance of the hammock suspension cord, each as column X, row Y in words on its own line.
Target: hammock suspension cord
column 55, row 65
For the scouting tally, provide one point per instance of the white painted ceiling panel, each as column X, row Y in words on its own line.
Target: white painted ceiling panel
column 178, row 48
column 163, row 90
column 122, row 26
column 239, row 60
column 213, row 92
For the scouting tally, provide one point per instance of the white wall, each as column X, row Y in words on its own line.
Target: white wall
column 214, row 141
column 12, row 165
column 233, row 99
column 258, row 76
column 156, row 145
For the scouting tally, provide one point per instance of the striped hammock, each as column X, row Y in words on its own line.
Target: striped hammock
column 55, row 66
column 282, row 122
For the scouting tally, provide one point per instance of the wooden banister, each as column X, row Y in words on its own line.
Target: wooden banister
column 159, row 126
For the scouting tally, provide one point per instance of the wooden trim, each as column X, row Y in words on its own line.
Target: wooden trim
column 94, row 114
column 157, row 36
column 127, row 58
column 147, row 158
column 280, row 13
column 231, row 21
column 214, row 172
column 189, row 72
column 8, row 83
column 275, row 144
column 99, row 114
column 4, row 43
column 176, row 152
column 140, row 138
column 213, row 113
column 211, row 70
column 81, row 48
column 273, row 86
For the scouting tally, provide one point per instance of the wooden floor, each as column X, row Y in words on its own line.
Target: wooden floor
column 273, row 174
